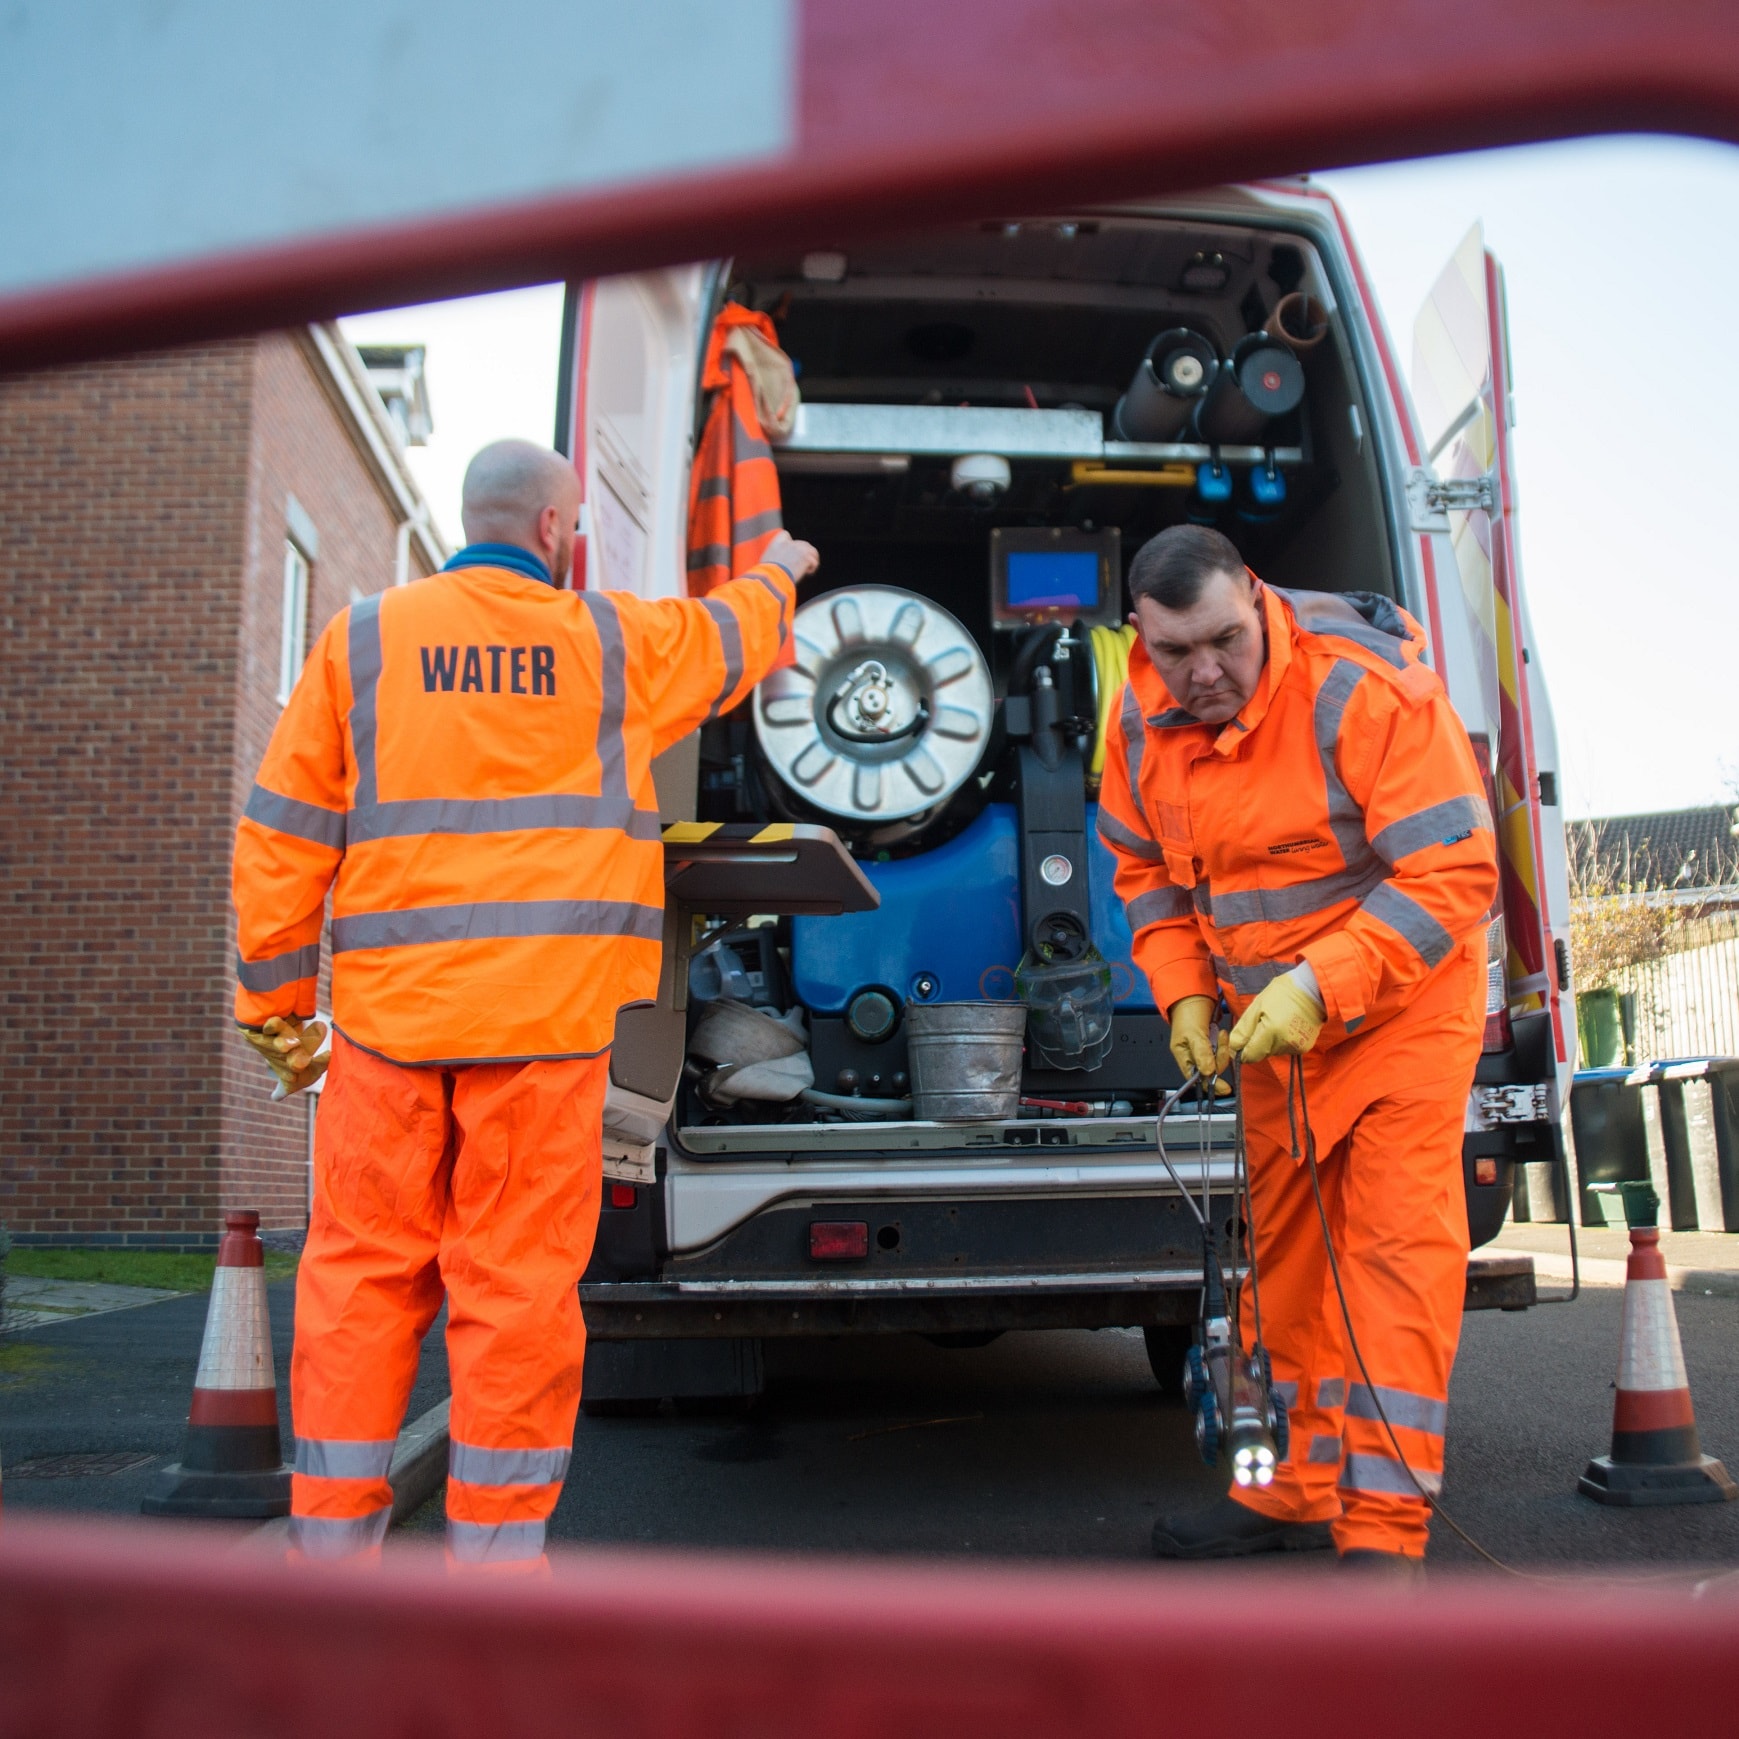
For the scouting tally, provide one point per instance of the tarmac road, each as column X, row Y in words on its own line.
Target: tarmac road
column 1058, row 1445
column 1040, row 1445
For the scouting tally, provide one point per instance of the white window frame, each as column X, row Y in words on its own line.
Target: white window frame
column 293, row 632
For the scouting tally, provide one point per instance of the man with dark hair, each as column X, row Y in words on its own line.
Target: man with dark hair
column 1174, row 568
column 1302, row 838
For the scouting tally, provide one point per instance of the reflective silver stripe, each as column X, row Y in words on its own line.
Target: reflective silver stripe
column 1286, row 1393
column 495, row 1542
column 298, row 819
column 1324, row 1448
column 1172, row 718
column 1203, row 896
column 710, row 555
column 761, row 579
column 1403, row 1407
column 745, row 446
column 1248, row 980
column 1299, row 900
column 1331, row 1392
column 1402, row 913
column 1157, row 905
column 730, row 645
column 340, row 1458
column 474, row 1466
column 1346, row 820
column 1125, row 838
column 744, row 529
column 712, row 488
column 470, row 815
column 1382, row 1473
column 1438, row 825
column 613, row 708
column 364, row 647
column 338, row 1536
column 495, row 919
column 261, row 976
column 1134, row 742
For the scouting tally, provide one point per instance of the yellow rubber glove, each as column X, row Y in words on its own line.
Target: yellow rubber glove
column 1195, row 1042
column 1283, row 1021
column 288, row 1048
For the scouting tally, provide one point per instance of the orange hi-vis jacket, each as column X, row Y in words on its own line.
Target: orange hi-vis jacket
column 734, row 506
column 1340, row 818
column 466, row 763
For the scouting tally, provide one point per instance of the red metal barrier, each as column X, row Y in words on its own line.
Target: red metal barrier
column 110, row 1629
column 909, row 111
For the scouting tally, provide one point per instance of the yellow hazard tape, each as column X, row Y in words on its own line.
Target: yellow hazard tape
column 690, row 832
column 775, row 834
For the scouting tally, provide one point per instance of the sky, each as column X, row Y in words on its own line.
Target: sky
column 1622, row 261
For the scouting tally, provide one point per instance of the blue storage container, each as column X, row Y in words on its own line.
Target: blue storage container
column 949, row 924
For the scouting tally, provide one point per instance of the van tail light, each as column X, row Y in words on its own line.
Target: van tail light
column 838, row 1240
column 1497, row 1009
column 1497, row 939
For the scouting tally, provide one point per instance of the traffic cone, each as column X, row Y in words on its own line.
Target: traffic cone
column 1656, row 1456
column 233, row 1464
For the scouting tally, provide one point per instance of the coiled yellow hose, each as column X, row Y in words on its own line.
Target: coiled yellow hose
column 1110, row 647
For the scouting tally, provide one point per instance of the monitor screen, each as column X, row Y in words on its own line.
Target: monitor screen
column 1053, row 579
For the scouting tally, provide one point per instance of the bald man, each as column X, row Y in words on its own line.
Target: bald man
column 466, row 766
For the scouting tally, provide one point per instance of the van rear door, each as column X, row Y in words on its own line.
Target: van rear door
column 1462, row 391
column 630, row 367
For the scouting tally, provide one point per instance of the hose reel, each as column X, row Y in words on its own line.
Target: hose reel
column 887, row 710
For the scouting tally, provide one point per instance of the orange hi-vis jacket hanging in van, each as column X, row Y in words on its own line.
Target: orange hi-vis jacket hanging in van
column 466, row 762
column 1340, row 818
column 733, row 500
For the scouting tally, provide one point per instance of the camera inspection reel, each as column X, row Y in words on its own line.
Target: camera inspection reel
column 1230, row 1393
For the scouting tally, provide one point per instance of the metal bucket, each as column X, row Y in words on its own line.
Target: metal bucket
column 964, row 1059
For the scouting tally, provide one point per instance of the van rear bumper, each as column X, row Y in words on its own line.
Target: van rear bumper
column 952, row 1304
column 955, row 1304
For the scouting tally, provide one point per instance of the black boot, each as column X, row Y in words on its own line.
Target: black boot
column 1392, row 1567
column 1228, row 1529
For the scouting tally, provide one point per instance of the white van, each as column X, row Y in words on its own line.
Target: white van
column 995, row 417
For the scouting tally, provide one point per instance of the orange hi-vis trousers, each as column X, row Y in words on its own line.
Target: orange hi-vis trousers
column 1392, row 1188
column 480, row 1181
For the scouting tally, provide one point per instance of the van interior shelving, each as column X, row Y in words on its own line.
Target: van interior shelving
column 964, row 392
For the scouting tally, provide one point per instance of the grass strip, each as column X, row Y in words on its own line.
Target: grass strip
column 168, row 1270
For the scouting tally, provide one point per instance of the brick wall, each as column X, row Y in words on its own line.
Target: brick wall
column 142, row 526
column 123, row 499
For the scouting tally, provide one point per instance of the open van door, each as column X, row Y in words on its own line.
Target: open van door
column 1462, row 393
column 625, row 416
column 630, row 366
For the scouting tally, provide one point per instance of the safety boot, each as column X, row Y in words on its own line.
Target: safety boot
column 1228, row 1529
column 1395, row 1568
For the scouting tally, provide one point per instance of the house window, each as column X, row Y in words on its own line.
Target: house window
column 293, row 642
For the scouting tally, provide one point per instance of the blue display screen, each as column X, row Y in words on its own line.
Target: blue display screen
column 1053, row 579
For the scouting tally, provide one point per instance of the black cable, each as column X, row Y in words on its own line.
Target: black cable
column 919, row 719
column 1249, row 1217
column 1036, row 644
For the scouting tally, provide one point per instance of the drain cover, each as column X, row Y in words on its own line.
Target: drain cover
column 87, row 1465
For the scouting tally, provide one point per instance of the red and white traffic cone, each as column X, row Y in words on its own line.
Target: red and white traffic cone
column 233, row 1465
column 1656, row 1455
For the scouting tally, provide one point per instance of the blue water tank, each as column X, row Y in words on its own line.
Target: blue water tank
column 949, row 926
